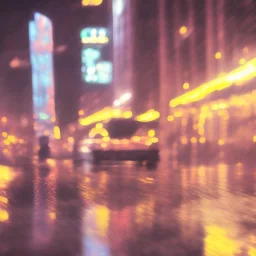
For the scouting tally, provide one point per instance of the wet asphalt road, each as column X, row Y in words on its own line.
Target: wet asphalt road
column 123, row 210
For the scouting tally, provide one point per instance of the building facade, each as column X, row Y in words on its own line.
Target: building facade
column 204, row 39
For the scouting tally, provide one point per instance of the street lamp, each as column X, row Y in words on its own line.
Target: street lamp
column 183, row 30
column 186, row 86
column 218, row 55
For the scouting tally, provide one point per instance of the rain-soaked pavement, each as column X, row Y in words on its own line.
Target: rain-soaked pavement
column 119, row 210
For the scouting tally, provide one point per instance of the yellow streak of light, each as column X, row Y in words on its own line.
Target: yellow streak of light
column 217, row 242
column 148, row 116
column 104, row 115
column 237, row 76
column 102, row 215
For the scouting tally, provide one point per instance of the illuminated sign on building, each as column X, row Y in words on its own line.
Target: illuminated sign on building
column 41, row 57
column 96, row 65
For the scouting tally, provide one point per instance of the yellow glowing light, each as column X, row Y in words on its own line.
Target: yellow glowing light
column 178, row 114
column 237, row 76
column 4, row 215
column 103, row 145
column 56, row 132
column 154, row 140
column 91, row 2
column 193, row 140
column 7, row 142
column 148, row 143
column 98, row 131
column 202, row 140
column 218, row 240
column 4, row 134
column 148, row 116
column 128, row 114
column 106, row 139
column 254, row 139
column 52, row 215
column 4, row 199
column 218, row 55
column 4, row 119
column 103, row 217
column 170, row 118
column 242, row 61
column 186, row 86
column 80, row 112
column 12, row 138
column 151, row 133
column 99, row 125
column 85, row 2
column 103, row 115
column 136, row 138
column 183, row 30
column 221, row 142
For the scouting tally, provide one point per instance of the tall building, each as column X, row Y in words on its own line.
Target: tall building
column 135, row 55
column 123, row 39
column 204, row 39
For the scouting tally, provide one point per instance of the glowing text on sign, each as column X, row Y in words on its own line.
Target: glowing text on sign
column 41, row 49
column 96, row 65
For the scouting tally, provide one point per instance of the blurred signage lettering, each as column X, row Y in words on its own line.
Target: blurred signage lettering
column 41, row 58
column 96, row 65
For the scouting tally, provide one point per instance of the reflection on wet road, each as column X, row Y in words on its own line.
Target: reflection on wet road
column 58, row 209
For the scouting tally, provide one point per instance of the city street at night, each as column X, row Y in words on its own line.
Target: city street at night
column 128, row 128
column 60, row 209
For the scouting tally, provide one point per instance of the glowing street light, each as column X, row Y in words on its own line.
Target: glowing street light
column 183, row 30
column 218, row 55
column 186, row 86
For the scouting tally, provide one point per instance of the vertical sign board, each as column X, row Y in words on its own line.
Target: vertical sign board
column 41, row 57
column 96, row 66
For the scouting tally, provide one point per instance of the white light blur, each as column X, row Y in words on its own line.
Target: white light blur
column 123, row 99
column 117, row 103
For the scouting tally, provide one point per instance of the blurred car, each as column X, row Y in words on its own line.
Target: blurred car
column 120, row 140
